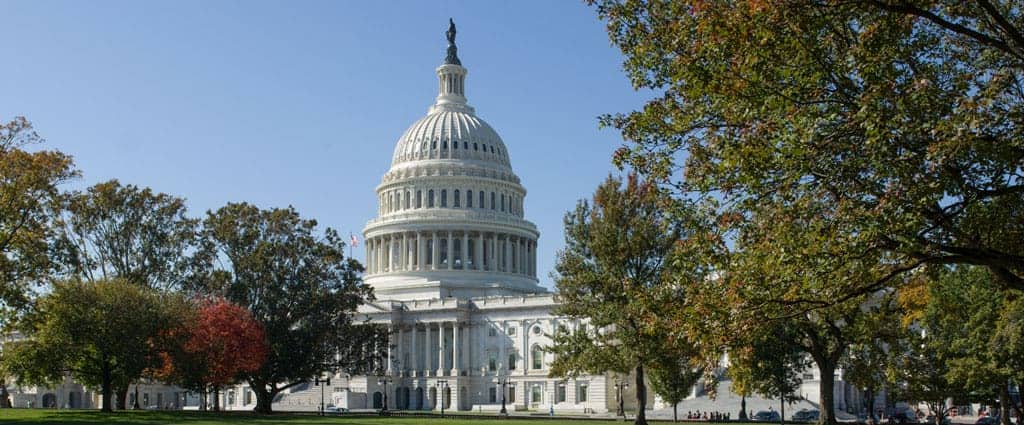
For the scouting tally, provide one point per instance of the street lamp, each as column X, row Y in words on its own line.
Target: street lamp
column 503, row 381
column 442, row 385
column 317, row 382
column 384, row 381
column 621, row 386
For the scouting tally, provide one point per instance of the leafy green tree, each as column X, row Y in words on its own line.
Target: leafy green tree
column 768, row 362
column 100, row 333
column 297, row 283
column 616, row 272
column 904, row 116
column 964, row 319
column 115, row 230
column 673, row 377
column 29, row 201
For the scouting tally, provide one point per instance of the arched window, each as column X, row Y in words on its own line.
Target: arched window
column 469, row 199
column 475, row 146
column 430, row 198
column 455, row 198
column 537, row 357
column 492, row 201
column 502, row 202
column 419, row 199
column 444, row 198
column 465, row 145
column 481, row 203
column 433, row 144
column 407, row 199
column 455, row 144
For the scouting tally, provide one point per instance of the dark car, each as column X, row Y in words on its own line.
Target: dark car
column 767, row 416
column 807, row 415
column 987, row 420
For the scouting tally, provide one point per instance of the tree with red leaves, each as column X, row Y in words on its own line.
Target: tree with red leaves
column 221, row 342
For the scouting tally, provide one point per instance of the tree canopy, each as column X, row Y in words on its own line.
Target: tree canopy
column 101, row 333
column 295, row 282
column 29, row 201
column 905, row 117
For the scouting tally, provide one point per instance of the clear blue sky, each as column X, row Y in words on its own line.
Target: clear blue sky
column 300, row 103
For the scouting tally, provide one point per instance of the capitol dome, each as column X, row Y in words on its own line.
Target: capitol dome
column 451, row 217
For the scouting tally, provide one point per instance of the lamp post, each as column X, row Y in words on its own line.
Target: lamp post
column 321, row 383
column 442, row 385
column 384, row 381
column 503, row 382
column 621, row 386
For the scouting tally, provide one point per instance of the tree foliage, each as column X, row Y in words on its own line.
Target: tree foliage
column 114, row 230
column 101, row 333
column 905, row 117
column 29, row 200
column 296, row 283
column 616, row 272
column 213, row 348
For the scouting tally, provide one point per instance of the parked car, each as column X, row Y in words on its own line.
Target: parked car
column 766, row 416
column 807, row 415
column 335, row 409
column 987, row 420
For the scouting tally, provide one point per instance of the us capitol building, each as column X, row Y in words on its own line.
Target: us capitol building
column 452, row 260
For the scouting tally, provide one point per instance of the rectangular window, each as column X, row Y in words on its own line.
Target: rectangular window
column 492, row 331
column 808, row 376
column 492, row 362
column 511, row 331
column 512, row 361
column 536, row 394
column 511, row 393
column 560, row 392
column 581, row 395
column 492, row 394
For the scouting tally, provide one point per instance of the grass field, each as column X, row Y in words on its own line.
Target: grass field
column 92, row 417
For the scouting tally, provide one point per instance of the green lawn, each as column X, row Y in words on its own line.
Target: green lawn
column 90, row 417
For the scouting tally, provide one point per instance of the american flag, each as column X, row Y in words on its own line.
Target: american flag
column 355, row 240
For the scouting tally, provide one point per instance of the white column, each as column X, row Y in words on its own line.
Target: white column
column 522, row 255
column 402, row 365
column 421, row 257
column 479, row 251
column 402, row 253
column 429, row 363
column 456, row 347
column 440, row 349
column 465, row 250
column 502, row 345
column 414, row 353
column 436, row 252
column 450, row 256
column 369, row 259
column 390, row 356
column 507, row 260
column 494, row 252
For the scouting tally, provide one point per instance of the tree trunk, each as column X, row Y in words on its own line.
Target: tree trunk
column 107, row 391
column 641, row 397
column 782, row 410
column 216, row 398
column 122, row 398
column 870, row 395
column 743, row 408
column 5, row 399
column 675, row 412
column 264, row 399
column 135, row 405
column 1004, row 404
column 826, row 388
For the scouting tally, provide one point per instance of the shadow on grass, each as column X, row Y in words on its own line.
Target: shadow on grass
column 90, row 417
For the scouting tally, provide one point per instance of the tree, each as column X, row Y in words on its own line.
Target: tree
column 905, row 116
column 616, row 272
column 112, row 230
column 962, row 321
column 221, row 343
column 769, row 362
column 297, row 284
column 29, row 201
column 100, row 333
column 673, row 378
